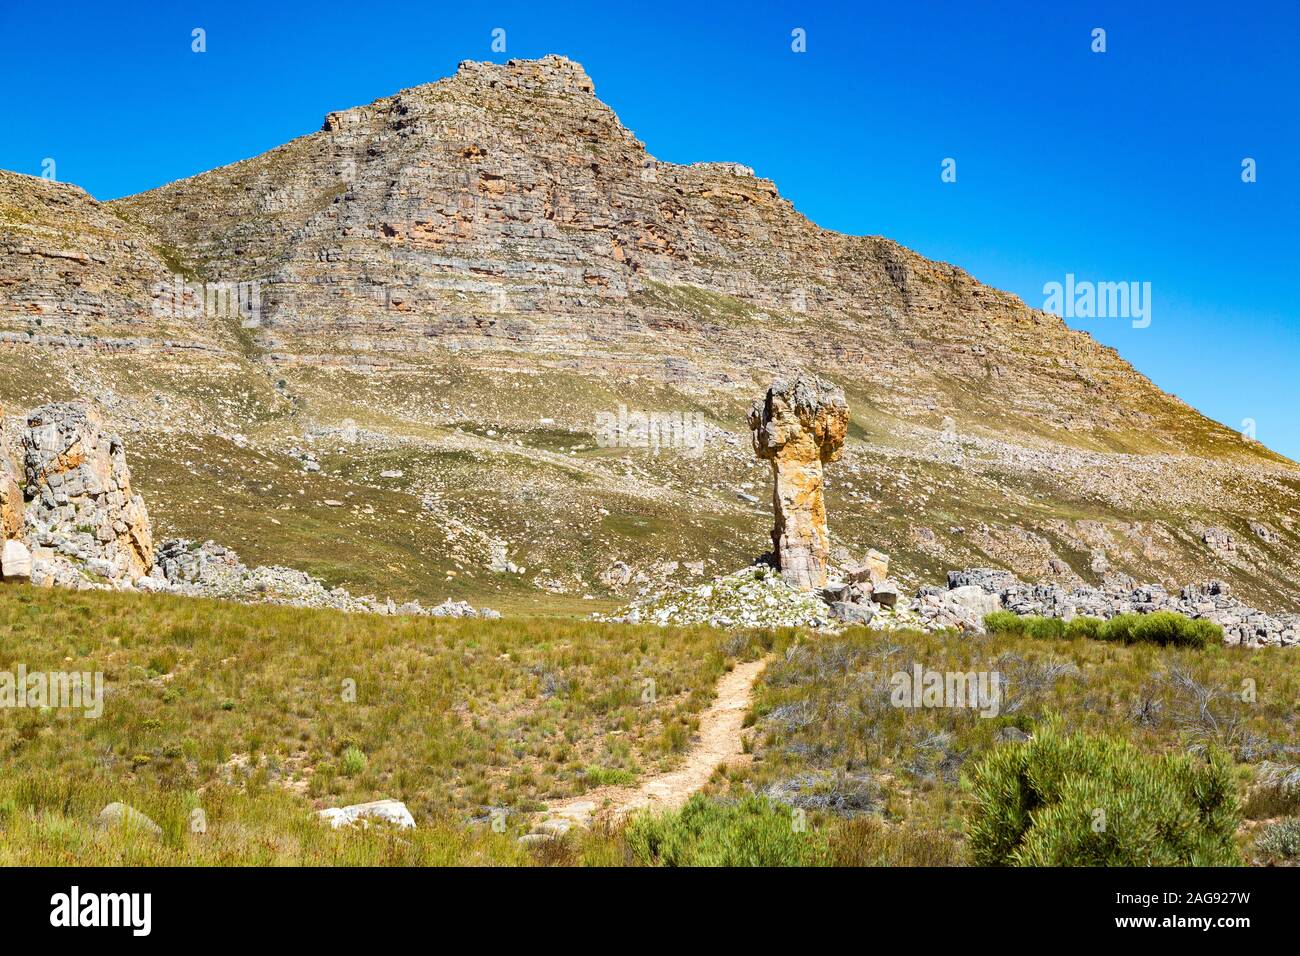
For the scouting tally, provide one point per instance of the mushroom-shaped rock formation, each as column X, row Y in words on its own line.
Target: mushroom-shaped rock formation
column 799, row 426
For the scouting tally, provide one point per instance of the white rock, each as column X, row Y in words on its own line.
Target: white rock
column 15, row 561
column 120, row 815
column 975, row 599
column 385, row 811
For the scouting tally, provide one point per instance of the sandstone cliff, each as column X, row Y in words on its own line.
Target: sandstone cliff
column 506, row 209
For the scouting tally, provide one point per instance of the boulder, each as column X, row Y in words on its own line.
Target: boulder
column 852, row 613
column 79, row 487
column 976, row 600
column 1220, row 540
column 886, row 594
column 392, row 812
column 15, row 561
column 873, row 570
column 617, row 575
column 799, row 426
column 837, row 591
column 117, row 815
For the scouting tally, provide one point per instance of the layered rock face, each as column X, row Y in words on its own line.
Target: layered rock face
column 506, row 212
column 800, row 426
column 79, row 486
column 74, row 273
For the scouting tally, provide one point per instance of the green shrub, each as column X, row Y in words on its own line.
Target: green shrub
column 1089, row 627
column 1047, row 628
column 1119, row 628
column 1169, row 629
column 751, row 832
column 608, row 776
column 1005, row 622
column 352, row 762
column 1093, row 801
column 1162, row 627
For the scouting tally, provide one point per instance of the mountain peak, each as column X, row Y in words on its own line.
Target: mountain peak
column 551, row 75
column 548, row 74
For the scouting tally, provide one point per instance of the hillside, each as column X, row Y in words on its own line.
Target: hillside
column 454, row 283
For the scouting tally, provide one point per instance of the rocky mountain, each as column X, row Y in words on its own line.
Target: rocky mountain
column 474, row 340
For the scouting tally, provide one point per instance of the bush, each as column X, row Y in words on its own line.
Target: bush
column 352, row 762
column 751, row 832
column 1092, row 801
column 1166, row 628
column 1162, row 627
column 1046, row 628
column 1089, row 627
column 1280, row 842
column 1005, row 622
column 608, row 776
column 1119, row 628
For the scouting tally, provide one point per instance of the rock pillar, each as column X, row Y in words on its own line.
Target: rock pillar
column 800, row 426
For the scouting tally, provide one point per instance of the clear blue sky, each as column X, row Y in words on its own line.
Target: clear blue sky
column 1117, row 166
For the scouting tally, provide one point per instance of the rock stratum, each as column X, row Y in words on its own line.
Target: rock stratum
column 380, row 353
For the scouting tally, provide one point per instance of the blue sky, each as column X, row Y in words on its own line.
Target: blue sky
column 1115, row 166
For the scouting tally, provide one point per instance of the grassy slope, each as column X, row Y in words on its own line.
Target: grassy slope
column 239, row 712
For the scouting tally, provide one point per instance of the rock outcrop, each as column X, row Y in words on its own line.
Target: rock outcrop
column 212, row 571
column 11, row 495
column 755, row 596
column 759, row 597
column 978, row 591
column 79, row 488
column 800, row 426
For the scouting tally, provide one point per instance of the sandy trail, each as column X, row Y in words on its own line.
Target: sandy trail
column 719, row 742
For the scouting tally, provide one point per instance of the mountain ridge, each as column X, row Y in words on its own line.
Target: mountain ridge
column 469, row 271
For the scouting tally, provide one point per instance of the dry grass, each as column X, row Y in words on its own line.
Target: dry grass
column 247, row 713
